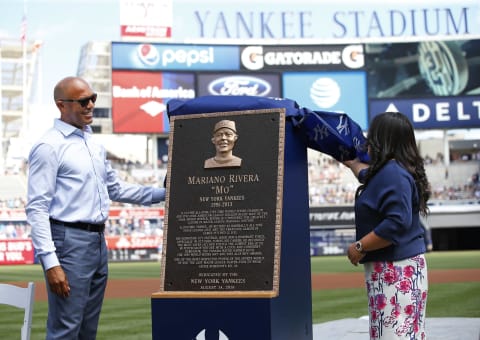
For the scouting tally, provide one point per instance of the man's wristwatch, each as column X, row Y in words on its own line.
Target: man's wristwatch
column 359, row 247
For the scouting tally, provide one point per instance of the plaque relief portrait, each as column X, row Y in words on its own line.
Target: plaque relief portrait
column 224, row 137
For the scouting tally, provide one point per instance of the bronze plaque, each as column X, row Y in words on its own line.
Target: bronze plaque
column 223, row 206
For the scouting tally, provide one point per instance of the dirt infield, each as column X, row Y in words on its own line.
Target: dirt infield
column 145, row 287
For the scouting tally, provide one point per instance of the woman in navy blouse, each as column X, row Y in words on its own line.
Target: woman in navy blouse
column 390, row 239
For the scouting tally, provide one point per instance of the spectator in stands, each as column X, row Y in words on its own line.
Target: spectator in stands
column 390, row 238
column 70, row 184
column 476, row 185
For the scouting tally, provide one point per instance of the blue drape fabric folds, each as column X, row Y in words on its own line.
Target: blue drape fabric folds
column 332, row 133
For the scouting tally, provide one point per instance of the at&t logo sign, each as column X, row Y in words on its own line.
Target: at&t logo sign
column 325, row 92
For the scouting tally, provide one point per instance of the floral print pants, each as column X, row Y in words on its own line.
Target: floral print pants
column 397, row 297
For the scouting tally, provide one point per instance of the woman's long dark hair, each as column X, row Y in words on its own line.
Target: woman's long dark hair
column 391, row 136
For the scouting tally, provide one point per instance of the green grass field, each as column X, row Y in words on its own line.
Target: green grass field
column 134, row 322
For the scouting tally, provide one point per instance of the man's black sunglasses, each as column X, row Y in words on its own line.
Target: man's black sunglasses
column 82, row 101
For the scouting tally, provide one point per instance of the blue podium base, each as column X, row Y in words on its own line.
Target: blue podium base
column 219, row 319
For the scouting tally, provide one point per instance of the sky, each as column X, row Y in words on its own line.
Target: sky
column 63, row 26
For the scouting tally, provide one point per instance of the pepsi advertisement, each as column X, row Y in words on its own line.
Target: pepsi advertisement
column 174, row 57
column 238, row 84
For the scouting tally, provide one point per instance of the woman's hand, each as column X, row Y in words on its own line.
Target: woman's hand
column 355, row 165
column 354, row 255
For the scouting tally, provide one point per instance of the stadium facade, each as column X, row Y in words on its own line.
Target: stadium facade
column 18, row 68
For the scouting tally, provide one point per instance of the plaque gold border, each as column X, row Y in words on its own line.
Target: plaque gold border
column 278, row 218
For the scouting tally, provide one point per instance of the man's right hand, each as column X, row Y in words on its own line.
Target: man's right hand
column 58, row 282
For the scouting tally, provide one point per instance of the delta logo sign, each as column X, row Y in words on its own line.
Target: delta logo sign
column 433, row 113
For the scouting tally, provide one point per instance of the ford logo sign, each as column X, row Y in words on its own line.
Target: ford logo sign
column 239, row 86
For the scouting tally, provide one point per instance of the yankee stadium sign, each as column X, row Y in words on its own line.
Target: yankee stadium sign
column 371, row 20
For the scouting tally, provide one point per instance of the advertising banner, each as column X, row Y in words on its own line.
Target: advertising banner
column 329, row 91
column 146, row 19
column 139, row 99
column 434, row 113
column 238, row 84
column 16, row 251
column 328, row 216
column 12, row 214
column 179, row 57
column 332, row 229
column 138, row 212
column 132, row 242
column 302, row 57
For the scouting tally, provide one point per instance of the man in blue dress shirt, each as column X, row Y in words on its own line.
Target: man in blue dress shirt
column 70, row 185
